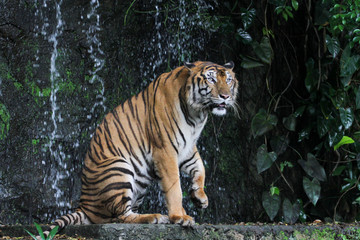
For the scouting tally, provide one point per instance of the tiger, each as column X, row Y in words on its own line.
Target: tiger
column 152, row 136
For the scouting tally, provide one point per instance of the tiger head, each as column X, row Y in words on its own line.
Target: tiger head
column 213, row 87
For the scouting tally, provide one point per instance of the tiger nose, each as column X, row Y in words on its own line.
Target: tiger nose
column 224, row 96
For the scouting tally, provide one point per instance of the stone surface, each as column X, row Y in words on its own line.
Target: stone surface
column 175, row 232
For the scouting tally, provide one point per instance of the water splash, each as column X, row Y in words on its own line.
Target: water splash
column 59, row 172
column 96, row 55
column 179, row 36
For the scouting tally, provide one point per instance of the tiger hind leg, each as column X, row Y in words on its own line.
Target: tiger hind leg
column 123, row 207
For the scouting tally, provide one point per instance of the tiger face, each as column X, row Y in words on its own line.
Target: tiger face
column 214, row 87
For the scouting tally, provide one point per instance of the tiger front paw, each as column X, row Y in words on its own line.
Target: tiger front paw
column 184, row 220
column 199, row 198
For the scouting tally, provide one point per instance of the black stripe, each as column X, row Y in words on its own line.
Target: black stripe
column 130, row 149
column 195, row 171
column 140, row 129
column 172, row 144
column 191, row 163
column 120, row 169
column 137, row 171
column 88, row 169
column 66, row 222
column 141, row 184
column 89, row 154
column 179, row 72
column 112, row 198
column 88, row 200
column 184, row 108
column 177, row 126
column 112, row 148
column 131, row 107
column 96, row 213
column 168, row 76
column 96, row 152
column 113, row 162
column 89, row 181
column 137, row 141
column 187, row 160
column 143, row 98
column 120, row 134
column 116, row 186
column 98, row 142
column 88, row 194
column 77, row 218
column 171, row 126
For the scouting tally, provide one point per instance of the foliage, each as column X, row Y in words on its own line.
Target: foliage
column 4, row 121
column 41, row 233
column 326, row 119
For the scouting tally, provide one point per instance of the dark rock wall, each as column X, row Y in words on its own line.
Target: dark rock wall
column 103, row 53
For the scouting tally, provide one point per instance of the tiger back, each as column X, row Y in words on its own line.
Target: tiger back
column 152, row 136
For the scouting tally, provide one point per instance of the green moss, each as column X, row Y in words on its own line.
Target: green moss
column 4, row 121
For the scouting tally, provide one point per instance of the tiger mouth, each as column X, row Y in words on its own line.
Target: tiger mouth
column 219, row 105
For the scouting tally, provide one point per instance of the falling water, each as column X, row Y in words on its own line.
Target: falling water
column 174, row 40
column 59, row 172
column 96, row 55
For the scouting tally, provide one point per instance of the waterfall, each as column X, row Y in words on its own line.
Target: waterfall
column 97, row 57
column 59, row 170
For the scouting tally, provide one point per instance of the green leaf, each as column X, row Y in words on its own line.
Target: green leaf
column 299, row 111
column 304, row 133
column 322, row 126
column 295, row 4
column 284, row 164
column 334, row 137
column 313, row 168
column 247, row 17
column 264, row 159
column 333, row 45
column 290, row 122
column 348, row 65
column 339, row 170
column 53, row 233
column 312, row 189
column 350, row 184
column 357, row 100
column 32, row 235
column 40, row 231
column 262, row 123
column 343, row 141
column 346, row 117
column 271, row 204
column 290, row 211
column 248, row 62
column 279, row 144
column 302, row 215
column 274, row 190
column 263, row 50
column 244, row 36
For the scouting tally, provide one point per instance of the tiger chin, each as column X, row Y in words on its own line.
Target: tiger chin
column 152, row 136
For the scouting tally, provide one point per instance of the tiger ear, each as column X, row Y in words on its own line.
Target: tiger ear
column 229, row 65
column 189, row 65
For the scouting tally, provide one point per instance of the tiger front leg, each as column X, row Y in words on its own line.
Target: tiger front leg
column 168, row 171
column 194, row 167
